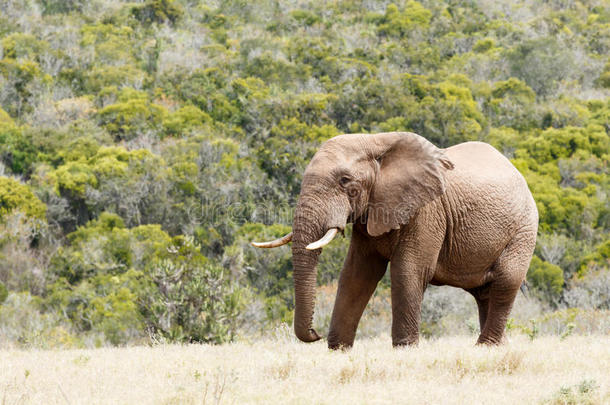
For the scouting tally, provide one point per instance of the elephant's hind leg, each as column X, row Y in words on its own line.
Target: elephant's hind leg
column 481, row 295
column 508, row 273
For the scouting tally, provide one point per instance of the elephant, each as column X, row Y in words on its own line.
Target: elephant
column 461, row 216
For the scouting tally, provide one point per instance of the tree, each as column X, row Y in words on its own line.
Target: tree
column 542, row 64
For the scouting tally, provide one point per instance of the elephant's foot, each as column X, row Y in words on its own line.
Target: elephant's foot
column 339, row 346
column 409, row 341
column 337, row 341
column 491, row 340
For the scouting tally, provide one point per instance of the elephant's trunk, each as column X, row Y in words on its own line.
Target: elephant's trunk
column 306, row 229
column 304, row 292
column 317, row 211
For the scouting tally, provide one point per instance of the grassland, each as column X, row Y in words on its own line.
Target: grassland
column 450, row 370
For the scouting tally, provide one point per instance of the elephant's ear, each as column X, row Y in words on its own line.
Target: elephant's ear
column 410, row 175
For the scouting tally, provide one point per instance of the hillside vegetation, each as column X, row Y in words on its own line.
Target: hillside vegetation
column 144, row 144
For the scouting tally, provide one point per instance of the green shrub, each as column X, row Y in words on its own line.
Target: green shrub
column 98, row 78
column 17, row 152
column 22, row 46
column 599, row 258
column 128, row 119
column 62, row 6
column 3, row 293
column 193, row 302
column 185, row 119
column 121, row 283
column 305, row 17
column 24, row 323
column 5, row 120
column 396, row 23
column 158, row 11
column 483, row 45
column 546, row 278
column 20, row 75
column 542, row 63
column 104, row 304
column 15, row 196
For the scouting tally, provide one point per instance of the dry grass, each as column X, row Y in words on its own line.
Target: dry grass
column 447, row 371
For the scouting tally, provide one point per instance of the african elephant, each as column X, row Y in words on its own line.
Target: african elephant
column 461, row 216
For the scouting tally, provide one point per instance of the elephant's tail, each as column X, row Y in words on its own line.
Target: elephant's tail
column 525, row 289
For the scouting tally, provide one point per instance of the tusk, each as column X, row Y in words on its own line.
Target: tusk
column 274, row 243
column 330, row 234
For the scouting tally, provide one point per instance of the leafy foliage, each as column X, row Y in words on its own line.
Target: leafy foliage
column 15, row 196
column 3, row 293
column 546, row 277
column 158, row 11
column 143, row 145
column 121, row 282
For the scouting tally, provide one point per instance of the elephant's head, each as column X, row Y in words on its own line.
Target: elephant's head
column 380, row 179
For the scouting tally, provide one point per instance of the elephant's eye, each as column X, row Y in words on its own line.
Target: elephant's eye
column 344, row 180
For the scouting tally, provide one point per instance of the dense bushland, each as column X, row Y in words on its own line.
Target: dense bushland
column 144, row 144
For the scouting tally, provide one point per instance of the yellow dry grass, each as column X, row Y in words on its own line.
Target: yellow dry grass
column 445, row 371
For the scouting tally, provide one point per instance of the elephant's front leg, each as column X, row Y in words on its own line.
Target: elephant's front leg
column 361, row 272
column 408, row 288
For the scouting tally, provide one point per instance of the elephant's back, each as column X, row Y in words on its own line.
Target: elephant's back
column 487, row 180
column 482, row 163
column 487, row 202
column 480, row 168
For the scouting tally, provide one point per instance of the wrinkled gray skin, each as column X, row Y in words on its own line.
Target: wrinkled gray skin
column 461, row 216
